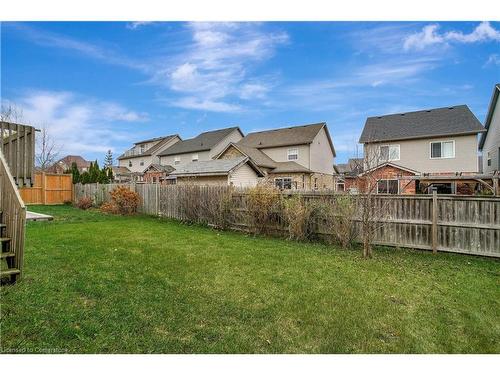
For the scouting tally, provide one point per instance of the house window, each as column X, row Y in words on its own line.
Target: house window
column 443, row 150
column 283, row 183
column 177, row 160
column 143, row 148
column 194, row 157
column 488, row 160
column 293, row 153
column 387, row 187
column 340, row 185
column 142, row 163
column 130, row 163
column 315, row 184
column 389, row 152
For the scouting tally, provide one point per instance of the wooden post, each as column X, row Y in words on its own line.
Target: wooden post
column 496, row 189
column 44, row 180
column 434, row 221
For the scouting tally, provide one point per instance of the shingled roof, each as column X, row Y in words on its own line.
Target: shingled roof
column 217, row 167
column 437, row 122
column 150, row 151
column 203, row 142
column 295, row 135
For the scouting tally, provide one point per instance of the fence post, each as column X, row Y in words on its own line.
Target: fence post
column 44, row 181
column 157, row 199
column 434, row 221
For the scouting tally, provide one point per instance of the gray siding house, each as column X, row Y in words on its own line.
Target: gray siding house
column 489, row 144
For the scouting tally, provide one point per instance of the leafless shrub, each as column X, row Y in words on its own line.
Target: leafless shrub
column 298, row 214
column 263, row 205
column 84, row 203
column 339, row 220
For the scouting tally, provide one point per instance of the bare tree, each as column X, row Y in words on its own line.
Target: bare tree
column 11, row 113
column 47, row 150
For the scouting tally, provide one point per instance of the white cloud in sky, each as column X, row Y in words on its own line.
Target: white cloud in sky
column 137, row 24
column 77, row 124
column 430, row 36
column 493, row 59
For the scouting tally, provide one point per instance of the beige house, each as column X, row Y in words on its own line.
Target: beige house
column 299, row 157
column 238, row 172
column 203, row 147
column 439, row 142
column 145, row 153
column 490, row 140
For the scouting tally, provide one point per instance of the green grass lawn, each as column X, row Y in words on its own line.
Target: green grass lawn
column 103, row 284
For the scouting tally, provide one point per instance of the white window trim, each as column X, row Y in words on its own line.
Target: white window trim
column 283, row 178
column 389, row 151
column 296, row 152
column 442, row 157
column 195, row 157
column 177, row 160
column 388, row 179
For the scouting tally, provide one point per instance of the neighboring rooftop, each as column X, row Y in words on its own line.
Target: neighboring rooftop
column 203, row 142
column 211, row 167
column 161, row 168
column 289, row 167
column 70, row 159
column 150, row 151
column 489, row 116
column 456, row 120
column 295, row 135
column 353, row 167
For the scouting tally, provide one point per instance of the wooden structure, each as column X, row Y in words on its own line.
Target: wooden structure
column 48, row 188
column 460, row 224
column 17, row 162
column 17, row 142
column 12, row 225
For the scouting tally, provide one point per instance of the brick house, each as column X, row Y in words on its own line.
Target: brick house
column 63, row 165
column 440, row 145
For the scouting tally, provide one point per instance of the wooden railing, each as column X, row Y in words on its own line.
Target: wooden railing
column 17, row 142
column 13, row 213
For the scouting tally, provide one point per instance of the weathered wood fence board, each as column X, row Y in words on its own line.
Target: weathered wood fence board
column 468, row 225
column 48, row 188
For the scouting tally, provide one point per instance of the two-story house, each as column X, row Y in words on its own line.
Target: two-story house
column 298, row 157
column 203, row 147
column 489, row 144
column 436, row 142
column 145, row 153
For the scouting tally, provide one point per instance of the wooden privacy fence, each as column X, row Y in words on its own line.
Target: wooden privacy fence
column 49, row 188
column 460, row 224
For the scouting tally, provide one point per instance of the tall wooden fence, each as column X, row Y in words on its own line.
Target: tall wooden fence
column 49, row 188
column 460, row 224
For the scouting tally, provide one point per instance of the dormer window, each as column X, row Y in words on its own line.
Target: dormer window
column 143, row 148
column 293, row 153
column 177, row 160
column 194, row 157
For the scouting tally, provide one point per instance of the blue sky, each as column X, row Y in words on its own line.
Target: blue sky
column 99, row 86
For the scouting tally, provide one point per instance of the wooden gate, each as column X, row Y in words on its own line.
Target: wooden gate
column 49, row 188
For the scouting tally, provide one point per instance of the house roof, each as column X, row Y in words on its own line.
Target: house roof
column 70, row 159
column 216, row 167
column 295, row 135
column 353, row 167
column 456, row 120
column 203, row 142
column 153, row 149
column 160, row 168
column 489, row 116
column 289, row 167
column 389, row 164
column 257, row 156
column 117, row 170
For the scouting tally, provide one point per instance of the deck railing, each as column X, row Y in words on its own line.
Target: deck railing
column 17, row 142
column 13, row 213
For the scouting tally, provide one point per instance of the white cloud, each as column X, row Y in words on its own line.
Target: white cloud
column 430, row 36
column 215, row 68
column 493, row 59
column 137, row 24
column 78, row 125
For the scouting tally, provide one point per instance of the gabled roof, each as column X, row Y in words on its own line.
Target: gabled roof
column 489, row 116
column 295, row 135
column 258, row 157
column 118, row 170
column 289, row 167
column 153, row 149
column 353, row 167
column 203, row 142
column 437, row 122
column 160, row 168
column 216, row 167
column 389, row 164
column 68, row 160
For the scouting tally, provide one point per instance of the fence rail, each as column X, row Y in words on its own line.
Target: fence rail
column 459, row 224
